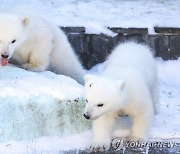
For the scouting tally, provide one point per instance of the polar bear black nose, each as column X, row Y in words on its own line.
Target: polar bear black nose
column 4, row 56
column 86, row 116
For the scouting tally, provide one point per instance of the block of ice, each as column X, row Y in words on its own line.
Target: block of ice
column 39, row 104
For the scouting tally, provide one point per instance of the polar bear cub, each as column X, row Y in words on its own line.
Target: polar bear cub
column 37, row 45
column 128, row 85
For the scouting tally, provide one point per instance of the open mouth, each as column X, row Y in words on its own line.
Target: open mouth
column 4, row 61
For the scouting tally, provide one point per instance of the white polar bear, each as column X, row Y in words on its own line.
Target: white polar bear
column 127, row 85
column 37, row 45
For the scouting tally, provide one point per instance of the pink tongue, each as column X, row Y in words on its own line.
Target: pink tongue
column 4, row 61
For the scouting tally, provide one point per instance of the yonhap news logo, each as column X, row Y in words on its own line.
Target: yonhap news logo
column 119, row 143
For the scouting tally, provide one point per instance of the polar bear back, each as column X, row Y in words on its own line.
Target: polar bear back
column 132, row 56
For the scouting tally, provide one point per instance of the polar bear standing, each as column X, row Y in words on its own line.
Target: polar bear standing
column 37, row 45
column 127, row 85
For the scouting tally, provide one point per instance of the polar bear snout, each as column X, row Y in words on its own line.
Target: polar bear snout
column 86, row 116
column 4, row 56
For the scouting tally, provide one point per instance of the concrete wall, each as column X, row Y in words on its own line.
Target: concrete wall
column 93, row 48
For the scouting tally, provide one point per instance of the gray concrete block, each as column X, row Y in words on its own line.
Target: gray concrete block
column 112, row 42
column 134, row 37
column 93, row 49
column 174, row 47
column 129, row 30
column 97, row 51
column 79, row 43
column 160, row 44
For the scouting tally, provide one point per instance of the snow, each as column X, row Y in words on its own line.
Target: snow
column 97, row 15
column 50, row 145
column 12, row 84
column 169, row 89
column 165, row 126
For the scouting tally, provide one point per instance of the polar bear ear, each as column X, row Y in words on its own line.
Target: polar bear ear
column 120, row 84
column 25, row 21
column 88, row 77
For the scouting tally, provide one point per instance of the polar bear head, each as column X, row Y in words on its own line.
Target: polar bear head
column 103, row 96
column 13, row 31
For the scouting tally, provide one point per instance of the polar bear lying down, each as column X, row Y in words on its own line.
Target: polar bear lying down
column 127, row 85
column 36, row 45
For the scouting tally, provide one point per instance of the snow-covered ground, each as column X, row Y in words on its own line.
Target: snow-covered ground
column 96, row 15
column 166, row 125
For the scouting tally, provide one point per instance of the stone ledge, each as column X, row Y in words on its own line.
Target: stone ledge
column 167, row 30
column 129, row 30
column 73, row 29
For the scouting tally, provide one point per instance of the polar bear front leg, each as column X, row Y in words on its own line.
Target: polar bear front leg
column 39, row 60
column 141, row 124
column 102, row 133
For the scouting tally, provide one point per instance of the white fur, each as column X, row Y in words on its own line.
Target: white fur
column 39, row 45
column 128, row 86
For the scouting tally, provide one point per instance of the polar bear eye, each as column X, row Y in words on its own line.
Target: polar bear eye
column 100, row 105
column 90, row 85
column 86, row 100
column 13, row 41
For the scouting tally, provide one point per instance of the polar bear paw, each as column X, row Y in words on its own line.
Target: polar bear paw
column 27, row 66
column 132, row 139
column 135, row 139
column 31, row 67
column 99, row 146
